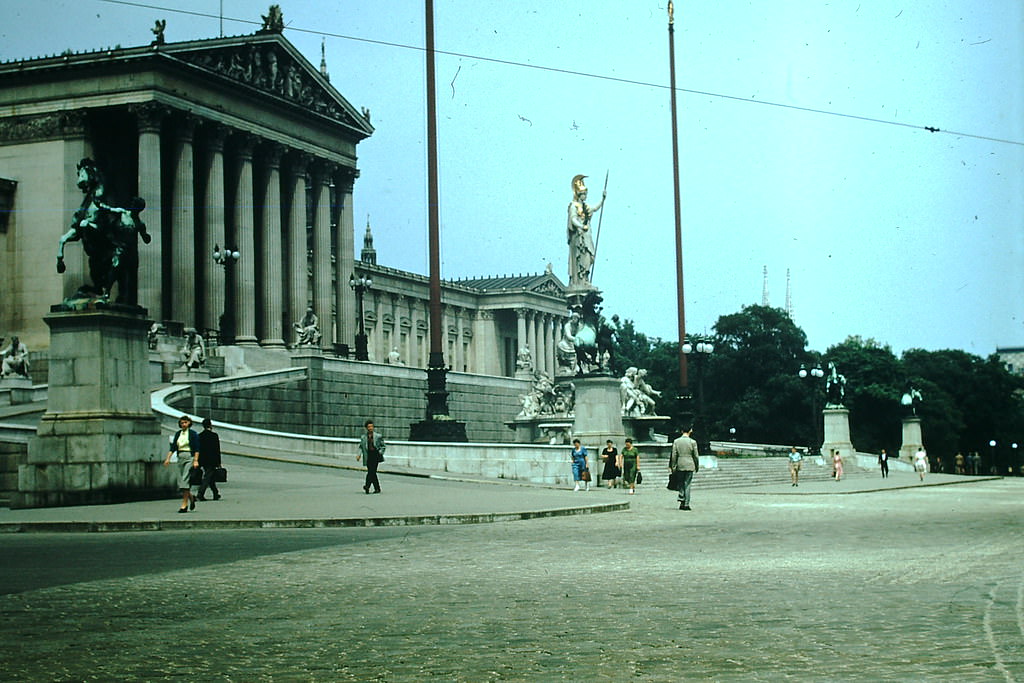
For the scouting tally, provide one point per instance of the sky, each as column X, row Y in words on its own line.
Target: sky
column 802, row 146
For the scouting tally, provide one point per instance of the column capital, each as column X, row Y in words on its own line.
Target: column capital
column 215, row 135
column 323, row 170
column 245, row 143
column 149, row 116
column 273, row 152
column 186, row 126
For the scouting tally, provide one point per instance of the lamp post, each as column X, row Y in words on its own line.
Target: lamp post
column 359, row 285
column 700, row 349
column 1013, row 457
column 225, row 259
column 992, row 448
column 813, row 377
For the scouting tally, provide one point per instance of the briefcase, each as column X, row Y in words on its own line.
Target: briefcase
column 220, row 475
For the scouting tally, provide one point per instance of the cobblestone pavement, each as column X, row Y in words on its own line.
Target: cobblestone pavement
column 904, row 585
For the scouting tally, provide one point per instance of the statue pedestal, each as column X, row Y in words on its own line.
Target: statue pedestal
column 912, row 441
column 641, row 429
column 837, row 434
column 98, row 441
column 598, row 412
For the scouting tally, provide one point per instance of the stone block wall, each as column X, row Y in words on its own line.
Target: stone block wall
column 336, row 397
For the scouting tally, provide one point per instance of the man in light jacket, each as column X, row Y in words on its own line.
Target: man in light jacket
column 683, row 463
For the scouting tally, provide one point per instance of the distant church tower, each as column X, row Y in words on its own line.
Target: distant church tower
column 368, row 254
column 764, row 289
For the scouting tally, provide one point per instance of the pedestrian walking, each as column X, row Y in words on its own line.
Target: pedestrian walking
column 958, row 462
column 612, row 464
column 883, row 462
column 371, row 452
column 795, row 460
column 921, row 463
column 184, row 451
column 209, row 459
column 630, row 465
column 683, row 464
column 578, row 456
column 837, row 464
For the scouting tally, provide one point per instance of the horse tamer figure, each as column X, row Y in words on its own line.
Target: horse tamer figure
column 109, row 235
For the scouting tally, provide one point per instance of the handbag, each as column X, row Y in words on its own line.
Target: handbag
column 639, row 477
column 195, row 476
column 586, row 475
column 220, row 475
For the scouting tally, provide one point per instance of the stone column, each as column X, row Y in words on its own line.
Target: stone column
column 298, row 251
column 549, row 346
column 76, row 148
column 322, row 291
column 149, row 117
column 344, row 258
column 485, row 346
column 521, row 328
column 212, row 293
column 271, row 283
column 244, row 305
column 183, row 227
column 535, row 348
column 459, row 362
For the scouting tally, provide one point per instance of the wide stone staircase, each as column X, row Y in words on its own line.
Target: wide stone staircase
column 737, row 472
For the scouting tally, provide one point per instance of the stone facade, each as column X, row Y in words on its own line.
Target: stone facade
column 214, row 134
column 333, row 398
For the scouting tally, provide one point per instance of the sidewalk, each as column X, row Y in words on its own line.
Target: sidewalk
column 277, row 494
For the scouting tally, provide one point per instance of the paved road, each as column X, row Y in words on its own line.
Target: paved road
column 924, row 583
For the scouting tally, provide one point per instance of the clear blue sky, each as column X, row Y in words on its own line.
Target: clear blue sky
column 892, row 232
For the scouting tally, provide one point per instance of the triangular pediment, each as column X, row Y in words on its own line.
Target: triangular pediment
column 270, row 64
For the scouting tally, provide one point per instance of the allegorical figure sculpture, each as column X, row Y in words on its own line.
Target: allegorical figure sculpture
column 581, row 241
column 911, row 399
column 636, row 395
column 524, row 360
column 193, row 352
column 835, row 387
column 15, row 359
column 109, row 235
column 308, row 329
column 395, row 358
column 545, row 398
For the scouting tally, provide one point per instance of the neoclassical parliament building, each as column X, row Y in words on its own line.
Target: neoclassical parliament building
column 238, row 143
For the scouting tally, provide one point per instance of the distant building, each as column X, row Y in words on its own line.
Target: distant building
column 1012, row 358
column 241, row 143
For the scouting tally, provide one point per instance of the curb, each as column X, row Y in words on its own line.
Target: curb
column 919, row 485
column 407, row 520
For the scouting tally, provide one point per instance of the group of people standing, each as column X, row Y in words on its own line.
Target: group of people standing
column 683, row 464
column 198, row 458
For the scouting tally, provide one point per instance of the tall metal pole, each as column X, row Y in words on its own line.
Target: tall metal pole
column 437, row 426
column 683, row 379
column 436, row 350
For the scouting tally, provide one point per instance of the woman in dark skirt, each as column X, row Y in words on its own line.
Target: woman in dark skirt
column 611, row 464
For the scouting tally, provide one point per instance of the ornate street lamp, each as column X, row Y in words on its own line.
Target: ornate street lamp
column 225, row 259
column 700, row 349
column 813, row 377
column 360, row 285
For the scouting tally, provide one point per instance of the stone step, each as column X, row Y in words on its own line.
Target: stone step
column 737, row 472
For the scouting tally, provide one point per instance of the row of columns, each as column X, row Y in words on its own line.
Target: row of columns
column 537, row 330
column 242, row 207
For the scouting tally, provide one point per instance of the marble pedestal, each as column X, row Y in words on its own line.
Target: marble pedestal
column 912, row 440
column 98, row 441
column 837, row 434
column 598, row 411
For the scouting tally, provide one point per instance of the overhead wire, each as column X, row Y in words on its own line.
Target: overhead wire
column 584, row 74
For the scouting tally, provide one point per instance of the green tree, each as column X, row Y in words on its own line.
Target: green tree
column 751, row 382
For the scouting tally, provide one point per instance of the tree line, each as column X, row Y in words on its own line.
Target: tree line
column 751, row 384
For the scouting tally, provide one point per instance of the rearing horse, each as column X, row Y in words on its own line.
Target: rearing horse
column 109, row 237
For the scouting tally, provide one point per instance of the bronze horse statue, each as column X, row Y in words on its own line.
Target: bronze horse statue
column 109, row 235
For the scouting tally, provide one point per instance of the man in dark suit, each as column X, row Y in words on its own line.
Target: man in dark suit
column 371, row 452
